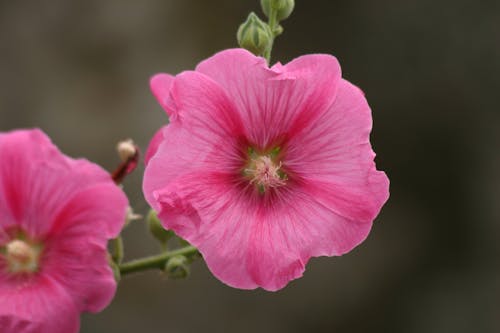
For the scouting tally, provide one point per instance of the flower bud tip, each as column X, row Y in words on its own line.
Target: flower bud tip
column 126, row 149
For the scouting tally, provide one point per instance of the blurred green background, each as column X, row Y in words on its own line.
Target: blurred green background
column 430, row 70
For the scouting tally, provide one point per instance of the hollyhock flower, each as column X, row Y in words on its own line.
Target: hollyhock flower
column 56, row 216
column 263, row 168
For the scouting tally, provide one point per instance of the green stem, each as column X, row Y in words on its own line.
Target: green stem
column 272, row 22
column 155, row 262
column 117, row 249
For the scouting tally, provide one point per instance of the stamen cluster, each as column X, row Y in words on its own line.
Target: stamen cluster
column 265, row 172
column 22, row 256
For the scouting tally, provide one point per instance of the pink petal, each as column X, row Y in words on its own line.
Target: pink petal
column 153, row 145
column 38, row 176
column 205, row 133
column 79, row 263
column 333, row 157
column 209, row 213
column 203, row 107
column 249, row 241
column 75, row 253
column 275, row 102
column 38, row 307
column 160, row 86
column 83, row 213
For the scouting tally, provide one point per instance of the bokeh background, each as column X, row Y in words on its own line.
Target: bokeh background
column 430, row 70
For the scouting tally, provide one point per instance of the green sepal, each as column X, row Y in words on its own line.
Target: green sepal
column 157, row 230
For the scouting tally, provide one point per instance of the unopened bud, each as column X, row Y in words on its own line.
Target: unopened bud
column 156, row 229
column 177, row 267
column 283, row 8
column 126, row 149
column 254, row 35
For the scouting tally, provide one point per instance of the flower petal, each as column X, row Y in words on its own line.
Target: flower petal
column 35, row 174
column 205, row 134
column 203, row 107
column 75, row 253
column 275, row 102
column 251, row 241
column 37, row 307
column 153, row 145
column 334, row 159
column 160, row 86
column 210, row 214
column 84, row 214
column 79, row 263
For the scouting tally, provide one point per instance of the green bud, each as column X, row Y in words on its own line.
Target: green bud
column 177, row 267
column 254, row 35
column 283, row 8
column 156, row 229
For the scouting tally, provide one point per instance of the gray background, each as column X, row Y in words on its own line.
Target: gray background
column 430, row 69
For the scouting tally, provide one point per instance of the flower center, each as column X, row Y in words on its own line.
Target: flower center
column 22, row 257
column 264, row 171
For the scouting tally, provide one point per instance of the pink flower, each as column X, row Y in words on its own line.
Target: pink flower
column 263, row 168
column 56, row 216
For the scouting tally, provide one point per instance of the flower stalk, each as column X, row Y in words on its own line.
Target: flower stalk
column 157, row 261
column 273, row 23
column 117, row 244
column 276, row 11
column 257, row 36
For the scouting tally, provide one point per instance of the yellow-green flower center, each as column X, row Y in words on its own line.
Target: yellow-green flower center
column 22, row 256
column 264, row 170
